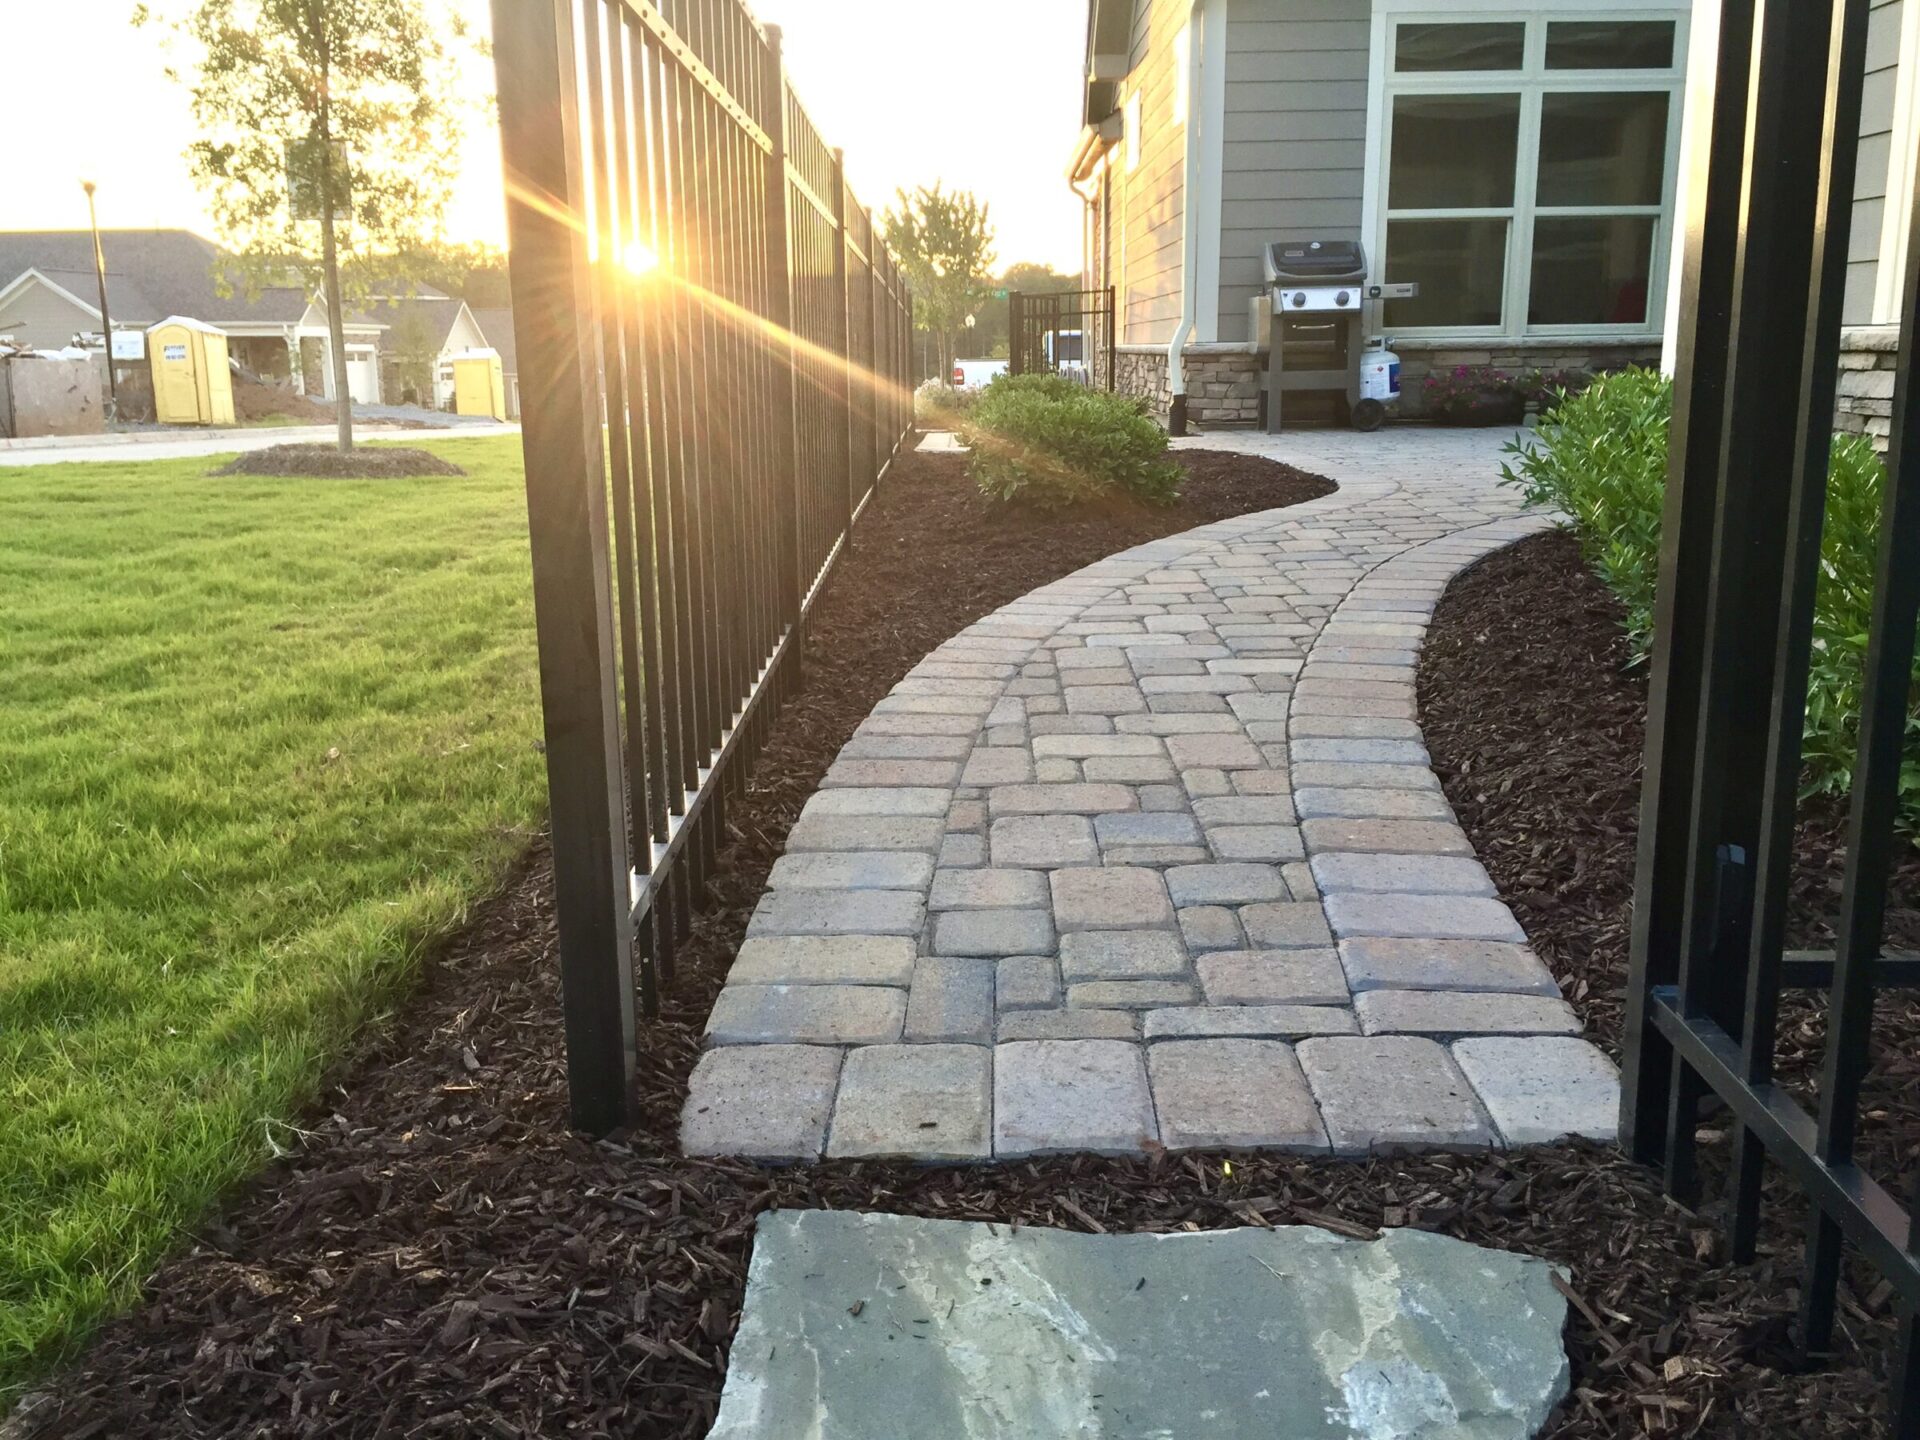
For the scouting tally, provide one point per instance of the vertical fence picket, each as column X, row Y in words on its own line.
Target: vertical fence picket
column 719, row 351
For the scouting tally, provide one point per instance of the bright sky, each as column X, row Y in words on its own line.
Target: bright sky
column 982, row 96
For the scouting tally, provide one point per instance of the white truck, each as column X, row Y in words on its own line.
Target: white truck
column 1065, row 351
column 973, row 374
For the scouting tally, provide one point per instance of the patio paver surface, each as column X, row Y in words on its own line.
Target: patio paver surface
column 1154, row 855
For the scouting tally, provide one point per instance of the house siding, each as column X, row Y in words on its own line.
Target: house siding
column 1294, row 158
column 1149, row 202
column 43, row 318
column 1870, row 175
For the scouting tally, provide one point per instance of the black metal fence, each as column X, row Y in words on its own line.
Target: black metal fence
column 1771, row 174
column 713, row 351
column 1062, row 332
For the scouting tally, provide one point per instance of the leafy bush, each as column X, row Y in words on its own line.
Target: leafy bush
column 1466, row 383
column 1601, row 457
column 1047, row 441
column 1053, row 387
column 943, row 406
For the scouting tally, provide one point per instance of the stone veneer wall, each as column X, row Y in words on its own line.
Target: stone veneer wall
column 1224, row 381
column 1419, row 359
column 1863, row 399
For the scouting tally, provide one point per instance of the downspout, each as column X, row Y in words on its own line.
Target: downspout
column 1190, row 229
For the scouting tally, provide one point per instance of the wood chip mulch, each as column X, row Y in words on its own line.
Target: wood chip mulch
column 1536, row 719
column 326, row 462
column 441, row 1257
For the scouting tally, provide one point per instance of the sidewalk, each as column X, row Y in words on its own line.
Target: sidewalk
column 128, row 445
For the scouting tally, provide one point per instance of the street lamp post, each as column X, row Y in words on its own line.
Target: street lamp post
column 106, row 321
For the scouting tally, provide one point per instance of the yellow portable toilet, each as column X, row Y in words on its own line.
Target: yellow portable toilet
column 479, row 385
column 191, row 383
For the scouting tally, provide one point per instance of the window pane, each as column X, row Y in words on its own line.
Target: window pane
column 1591, row 270
column 1459, row 47
column 1608, row 149
column 1453, row 152
column 1460, row 265
column 1610, row 45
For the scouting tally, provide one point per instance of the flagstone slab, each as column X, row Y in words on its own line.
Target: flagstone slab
column 853, row 1322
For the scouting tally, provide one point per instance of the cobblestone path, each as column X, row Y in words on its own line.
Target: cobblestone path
column 1155, row 854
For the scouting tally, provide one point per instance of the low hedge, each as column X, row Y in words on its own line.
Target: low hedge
column 1048, row 441
column 1601, row 457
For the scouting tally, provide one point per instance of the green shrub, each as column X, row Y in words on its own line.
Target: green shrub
column 1601, row 457
column 943, row 406
column 1053, row 387
column 1047, row 441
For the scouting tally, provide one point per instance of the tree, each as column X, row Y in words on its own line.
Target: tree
column 945, row 245
column 325, row 125
column 415, row 347
column 471, row 272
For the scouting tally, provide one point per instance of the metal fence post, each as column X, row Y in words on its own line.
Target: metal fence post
column 1673, row 696
column 786, row 377
column 876, row 371
column 1113, row 340
column 567, row 523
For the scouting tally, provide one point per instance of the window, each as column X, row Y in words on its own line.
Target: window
column 1528, row 170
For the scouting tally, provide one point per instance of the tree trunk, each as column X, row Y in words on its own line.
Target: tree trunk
column 336, row 319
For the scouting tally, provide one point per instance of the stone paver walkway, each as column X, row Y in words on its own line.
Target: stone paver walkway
column 1154, row 854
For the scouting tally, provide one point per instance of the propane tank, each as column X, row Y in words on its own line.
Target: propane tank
column 1379, row 372
column 1379, row 385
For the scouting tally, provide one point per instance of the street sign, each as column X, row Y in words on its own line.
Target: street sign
column 129, row 345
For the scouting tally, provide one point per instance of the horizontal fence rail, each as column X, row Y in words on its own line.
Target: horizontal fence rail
column 1771, row 174
column 713, row 357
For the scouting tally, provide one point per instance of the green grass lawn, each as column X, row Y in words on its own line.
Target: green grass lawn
column 260, row 740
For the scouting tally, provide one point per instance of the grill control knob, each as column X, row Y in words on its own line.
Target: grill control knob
column 1299, row 297
column 1341, row 298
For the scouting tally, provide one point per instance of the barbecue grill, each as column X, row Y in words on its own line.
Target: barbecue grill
column 1318, row 290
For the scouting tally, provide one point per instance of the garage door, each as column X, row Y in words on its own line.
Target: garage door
column 363, row 374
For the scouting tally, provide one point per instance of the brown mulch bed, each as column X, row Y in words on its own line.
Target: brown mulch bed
column 442, row 1257
column 325, row 462
column 264, row 399
column 1536, row 719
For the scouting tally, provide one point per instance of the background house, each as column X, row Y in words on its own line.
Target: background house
column 424, row 333
column 1519, row 162
column 49, row 295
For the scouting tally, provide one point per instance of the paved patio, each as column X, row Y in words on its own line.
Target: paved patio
column 1154, row 855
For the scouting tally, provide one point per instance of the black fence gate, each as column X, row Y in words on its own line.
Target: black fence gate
column 1771, row 176
column 713, row 365
column 1062, row 332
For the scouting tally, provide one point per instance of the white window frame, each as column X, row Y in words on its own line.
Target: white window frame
column 1530, row 82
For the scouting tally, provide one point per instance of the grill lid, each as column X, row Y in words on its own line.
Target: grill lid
column 1288, row 261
